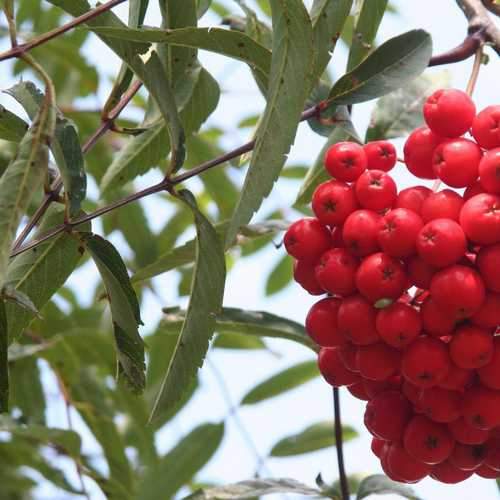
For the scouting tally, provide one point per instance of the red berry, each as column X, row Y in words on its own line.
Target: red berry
column 333, row 201
column 349, row 355
column 378, row 361
column 445, row 204
column 440, row 405
column 446, row 472
column 471, row 347
column 435, row 321
column 468, row 457
column 376, row 190
column 466, row 434
column 490, row 373
column 307, row 239
column 360, row 232
column 387, row 415
column 426, row 362
column 380, row 277
column 381, row 155
column 321, row 323
column 375, row 387
column 345, row 161
column 489, row 171
column 418, row 152
column 356, row 320
column 358, row 391
column 489, row 314
column 458, row 379
column 472, row 190
column 486, row 127
column 427, row 441
column 481, row 407
column 419, row 272
column 333, row 370
column 399, row 325
column 336, row 270
column 412, row 198
column 384, row 462
column 487, row 472
column 449, row 112
column 337, row 240
column 303, row 274
column 488, row 262
column 398, row 232
column 480, row 219
column 441, row 242
column 458, row 291
column 404, row 466
column 493, row 454
column 377, row 445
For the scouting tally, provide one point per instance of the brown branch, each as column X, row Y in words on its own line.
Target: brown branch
column 17, row 50
column 471, row 85
column 344, row 482
column 492, row 6
column 461, row 52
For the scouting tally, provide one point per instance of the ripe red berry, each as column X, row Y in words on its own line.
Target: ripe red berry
column 399, row 325
column 441, row 242
column 377, row 445
column 333, row 201
column 473, row 190
column 345, row 161
column 468, row 457
column 458, row 379
column 458, row 291
column 349, row 355
column 489, row 314
column 381, row 155
column 487, row 472
column 336, row 270
column 376, row 190
column 337, row 240
column 446, row 472
column 464, row 433
column 380, row 277
column 375, row 387
column 333, row 370
column 449, row 112
column 412, row 198
column 387, row 415
column 492, row 458
column 303, row 274
column 440, row 405
column 427, row 441
column 398, row 232
column 356, row 320
column 419, row 272
column 445, row 204
column 404, row 466
column 307, row 239
column 481, row 407
column 489, row 171
column 358, row 391
column 471, row 347
column 480, row 219
column 321, row 323
column 418, row 152
column 360, row 232
column 378, row 361
column 435, row 321
column 490, row 373
column 426, row 362
column 488, row 262
column 456, row 162
column 486, row 127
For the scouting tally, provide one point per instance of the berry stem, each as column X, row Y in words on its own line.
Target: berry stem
column 344, row 483
column 475, row 71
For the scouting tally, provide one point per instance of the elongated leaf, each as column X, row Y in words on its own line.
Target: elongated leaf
column 225, row 42
column 12, row 128
column 391, row 66
column 4, row 360
column 178, row 466
column 400, row 112
column 238, row 342
column 207, row 293
column 238, row 321
column 292, row 56
column 282, row 382
column 328, row 18
column 382, row 485
column 40, row 272
column 254, row 488
column 315, row 437
column 280, row 276
column 22, row 179
column 368, row 20
column 124, row 310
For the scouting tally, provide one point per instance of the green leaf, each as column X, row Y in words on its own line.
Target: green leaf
column 124, row 309
column 368, row 20
column 289, row 378
column 22, row 179
column 379, row 484
column 328, row 18
column 4, row 361
column 254, row 488
column 280, row 276
column 238, row 321
column 21, row 299
column 177, row 467
column 203, row 6
column 286, row 96
column 238, row 341
column 391, row 66
column 221, row 41
column 12, row 128
column 400, row 112
column 28, row 272
column 315, row 437
column 207, row 293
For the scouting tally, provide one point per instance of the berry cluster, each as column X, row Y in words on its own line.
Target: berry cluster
column 411, row 320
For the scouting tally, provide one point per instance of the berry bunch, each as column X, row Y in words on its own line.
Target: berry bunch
column 412, row 314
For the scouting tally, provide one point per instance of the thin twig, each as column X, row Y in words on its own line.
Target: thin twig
column 492, row 6
column 475, row 71
column 17, row 50
column 11, row 22
column 344, row 483
column 461, row 52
